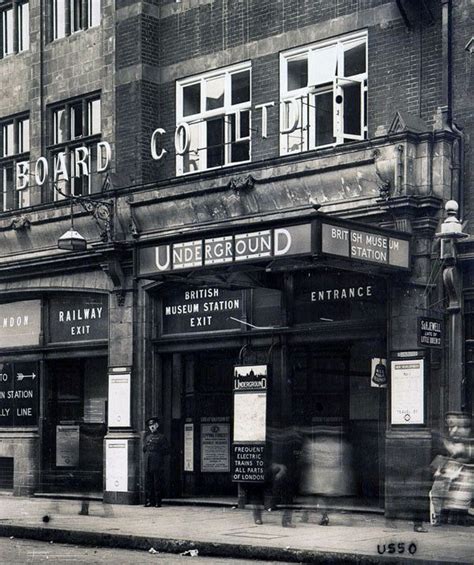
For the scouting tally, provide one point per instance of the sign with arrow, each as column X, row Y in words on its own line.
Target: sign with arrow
column 18, row 394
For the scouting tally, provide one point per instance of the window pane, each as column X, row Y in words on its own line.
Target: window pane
column 23, row 135
column 76, row 15
column 240, row 150
column 94, row 13
column 7, row 29
column 59, row 18
column 61, row 182
column 8, row 195
column 240, row 87
column 325, row 64
column 192, row 99
column 8, row 139
column 215, row 93
column 352, row 114
column 324, row 119
column 59, row 125
column 354, row 60
column 94, row 117
column 76, row 120
column 191, row 158
column 215, row 142
column 297, row 73
column 23, row 26
column 79, row 183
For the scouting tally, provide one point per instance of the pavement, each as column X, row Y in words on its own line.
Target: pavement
column 230, row 532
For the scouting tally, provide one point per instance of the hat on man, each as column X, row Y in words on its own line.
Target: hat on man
column 153, row 420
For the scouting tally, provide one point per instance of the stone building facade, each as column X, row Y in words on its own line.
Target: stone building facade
column 258, row 183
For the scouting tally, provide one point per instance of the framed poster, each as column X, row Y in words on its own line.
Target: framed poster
column 407, row 391
column 119, row 397
column 189, row 447
column 116, row 465
column 215, row 443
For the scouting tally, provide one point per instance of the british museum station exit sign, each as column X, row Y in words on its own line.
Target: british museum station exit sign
column 343, row 240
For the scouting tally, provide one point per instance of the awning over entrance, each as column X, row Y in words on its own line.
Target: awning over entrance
column 345, row 243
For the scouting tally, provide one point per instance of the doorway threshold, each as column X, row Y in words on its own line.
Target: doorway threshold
column 216, row 501
column 96, row 496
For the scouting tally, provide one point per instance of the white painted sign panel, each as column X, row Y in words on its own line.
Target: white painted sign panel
column 407, row 378
column 67, row 446
column 215, row 442
column 116, row 465
column 189, row 447
column 250, row 416
column 119, row 400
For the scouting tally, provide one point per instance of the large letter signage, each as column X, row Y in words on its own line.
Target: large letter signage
column 250, row 417
column 20, row 323
column 268, row 244
column 19, row 394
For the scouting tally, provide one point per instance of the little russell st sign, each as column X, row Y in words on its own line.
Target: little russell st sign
column 340, row 239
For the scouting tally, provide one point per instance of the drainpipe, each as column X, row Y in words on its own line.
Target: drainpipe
column 446, row 50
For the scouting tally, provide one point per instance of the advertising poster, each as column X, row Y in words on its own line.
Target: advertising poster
column 119, row 399
column 189, row 447
column 215, row 443
column 116, row 465
column 67, row 446
column 407, row 376
column 19, row 394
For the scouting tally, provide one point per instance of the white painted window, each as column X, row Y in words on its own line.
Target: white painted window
column 14, row 165
column 7, row 31
column 93, row 13
column 213, row 119
column 323, row 94
column 23, row 26
column 76, row 125
column 59, row 19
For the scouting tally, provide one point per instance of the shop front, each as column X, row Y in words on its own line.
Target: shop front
column 313, row 309
column 53, row 395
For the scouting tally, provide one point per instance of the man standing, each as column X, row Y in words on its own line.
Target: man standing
column 155, row 448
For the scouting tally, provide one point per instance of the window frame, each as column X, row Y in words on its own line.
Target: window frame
column 14, row 28
column 201, row 118
column 67, row 143
column 14, row 197
column 67, row 21
column 305, row 96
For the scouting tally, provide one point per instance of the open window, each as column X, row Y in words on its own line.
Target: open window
column 323, row 95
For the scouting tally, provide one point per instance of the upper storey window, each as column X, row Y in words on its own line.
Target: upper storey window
column 213, row 119
column 14, row 163
column 70, row 16
column 75, row 131
column 15, row 28
column 323, row 94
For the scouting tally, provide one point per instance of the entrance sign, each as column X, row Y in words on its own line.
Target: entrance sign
column 116, row 465
column 187, row 310
column 375, row 247
column 67, row 446
column 430, row 332
column 20, row 323
column 271, row 243
column 19, row 393
column 407, row 391
column 215, row 444
column 78, row 317
column 119, row 397
column 189, row 447
column 250, row 418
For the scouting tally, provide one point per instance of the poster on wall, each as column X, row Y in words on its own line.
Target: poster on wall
column 116, row 465
column 407, row 391
column 119, row 397
column 67, row 446
column 189, row 447
column 19, row 393
column 215, row 444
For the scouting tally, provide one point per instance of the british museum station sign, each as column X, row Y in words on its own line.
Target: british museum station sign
column 345, row 241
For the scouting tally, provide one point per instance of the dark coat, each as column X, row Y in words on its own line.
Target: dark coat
column 155, row 448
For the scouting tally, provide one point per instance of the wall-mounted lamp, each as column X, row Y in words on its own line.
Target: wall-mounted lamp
column 72, row 240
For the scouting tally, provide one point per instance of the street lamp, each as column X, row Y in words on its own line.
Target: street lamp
column 72, row 240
